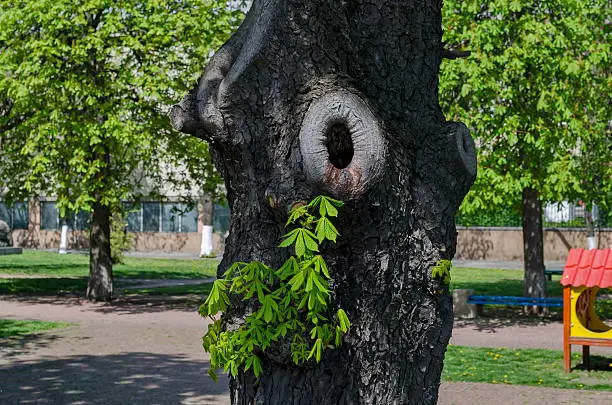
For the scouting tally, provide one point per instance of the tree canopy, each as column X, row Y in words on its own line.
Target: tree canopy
column 84, row 90
column 535, row 92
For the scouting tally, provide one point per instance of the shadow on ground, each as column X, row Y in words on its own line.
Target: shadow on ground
column 131, row 378
column 33, row 268
column 123, row 305
column 18, row 345
column 137, row 304
column 43, row 286
column 497, row 324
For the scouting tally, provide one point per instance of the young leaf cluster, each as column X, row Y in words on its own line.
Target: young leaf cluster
column 291, row 304
column 441, row 271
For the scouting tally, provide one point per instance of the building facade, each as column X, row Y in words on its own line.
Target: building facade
column 155, row 226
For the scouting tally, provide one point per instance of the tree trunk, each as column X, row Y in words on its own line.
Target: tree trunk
column 100, row 285
column 533, row 244
column 590, row 226
column 318, row 97
column 63, row 248
column 206, row 212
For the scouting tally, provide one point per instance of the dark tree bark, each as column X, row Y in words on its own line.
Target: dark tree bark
column 533, row 244
column 340, row 98
column 100, row 284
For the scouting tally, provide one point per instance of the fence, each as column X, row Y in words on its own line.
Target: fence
column 555, row 215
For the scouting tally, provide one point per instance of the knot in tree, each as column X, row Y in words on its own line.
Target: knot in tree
column 340, row 98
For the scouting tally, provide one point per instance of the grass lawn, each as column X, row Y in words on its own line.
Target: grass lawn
column 42, row 285
column 52, row 264
column 68, row 273
column 11, row 327
column 524, row 367
column 496, row 281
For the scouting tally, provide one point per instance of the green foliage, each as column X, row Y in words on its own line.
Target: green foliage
column 535, row 93
column 501, row 216
column 121, row 241
column 84, row 90
column 441, row 271
column 290, row 305
column 13, row 327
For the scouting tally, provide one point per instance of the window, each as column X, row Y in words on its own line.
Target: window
column 5, row 213
column 179, row 217
column 81, row 221
column 133, row 217
column 189, row 220
column 171, row 217
column 162, row 217
column 151, row 213
column 16, row 215
column 20, row 215
column 49, row 216
column 221, row 219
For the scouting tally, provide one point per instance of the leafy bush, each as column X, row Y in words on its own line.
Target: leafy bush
column 497, row 217
column 121, row 241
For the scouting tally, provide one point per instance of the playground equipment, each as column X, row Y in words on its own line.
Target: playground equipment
column 586, row 272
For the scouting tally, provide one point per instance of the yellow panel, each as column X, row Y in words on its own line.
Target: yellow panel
column 584, row 320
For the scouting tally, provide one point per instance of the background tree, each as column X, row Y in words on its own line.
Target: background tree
column 535, row 92
column 340, row 98
column 86, row 82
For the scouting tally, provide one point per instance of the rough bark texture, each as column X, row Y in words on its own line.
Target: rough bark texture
column 533, row 244
column 100, row 284
column 276, row 103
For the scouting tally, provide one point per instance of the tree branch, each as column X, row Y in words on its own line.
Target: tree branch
column 454, row 54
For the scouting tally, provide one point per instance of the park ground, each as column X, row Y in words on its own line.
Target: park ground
column 146, row 349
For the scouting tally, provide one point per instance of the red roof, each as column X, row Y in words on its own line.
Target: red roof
column 588, row 268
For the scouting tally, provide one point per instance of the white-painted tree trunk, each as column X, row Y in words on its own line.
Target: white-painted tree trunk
column 591, row 242
column 206, row 247
column 64, row 240
column 590, row 215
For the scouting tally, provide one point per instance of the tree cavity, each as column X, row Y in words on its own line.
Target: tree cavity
column 339, row 145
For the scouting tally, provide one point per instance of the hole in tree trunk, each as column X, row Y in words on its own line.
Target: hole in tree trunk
column 339, row 145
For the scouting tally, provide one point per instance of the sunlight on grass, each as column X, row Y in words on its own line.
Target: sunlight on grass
column 496, row 281
column 12, row 327
column 51, row 264
column 537, row 367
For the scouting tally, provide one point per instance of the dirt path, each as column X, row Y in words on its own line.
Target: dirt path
column 148, row 352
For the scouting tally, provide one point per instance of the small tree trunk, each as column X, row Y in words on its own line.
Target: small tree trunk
column 533, row 245
column 206, row 211
column 590, row 227
column 63, row 248
column 100, row 285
